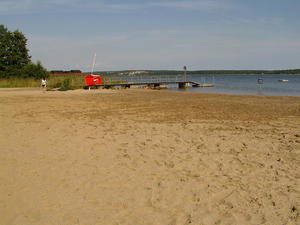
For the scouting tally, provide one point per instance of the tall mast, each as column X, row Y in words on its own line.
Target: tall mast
column 94, row 62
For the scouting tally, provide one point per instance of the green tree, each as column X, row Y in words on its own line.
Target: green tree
column 13, row 52
column 3, row 40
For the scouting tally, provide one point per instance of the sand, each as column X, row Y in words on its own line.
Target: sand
column 130, row 157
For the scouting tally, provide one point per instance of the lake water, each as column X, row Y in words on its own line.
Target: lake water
column 247, row 84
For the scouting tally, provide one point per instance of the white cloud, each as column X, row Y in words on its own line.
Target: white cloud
column 75, row 53
column 29, row 6
column 164, row 49
column 202, row 5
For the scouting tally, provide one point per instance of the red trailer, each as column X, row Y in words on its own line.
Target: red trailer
column 92, row 80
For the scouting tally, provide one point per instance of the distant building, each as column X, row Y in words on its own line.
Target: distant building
column 63, row 72
column 136, row 72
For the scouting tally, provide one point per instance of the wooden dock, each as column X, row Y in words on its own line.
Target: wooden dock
column 181, row 81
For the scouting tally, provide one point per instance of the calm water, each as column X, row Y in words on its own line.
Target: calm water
column 247, row 84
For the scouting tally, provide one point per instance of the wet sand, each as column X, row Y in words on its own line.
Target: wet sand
column 148, row 157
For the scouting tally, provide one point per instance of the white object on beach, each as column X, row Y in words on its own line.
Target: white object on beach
column 44, row 82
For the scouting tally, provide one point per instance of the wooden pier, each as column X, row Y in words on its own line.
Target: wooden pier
column 181, row 81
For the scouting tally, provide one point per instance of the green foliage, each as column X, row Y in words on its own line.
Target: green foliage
column 13, row 52
column 35, row 71
column 3, row 30
column 15, row 61
column 66, row 85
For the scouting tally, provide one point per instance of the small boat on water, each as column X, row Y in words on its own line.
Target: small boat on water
column 260, row 81
column 283, row 80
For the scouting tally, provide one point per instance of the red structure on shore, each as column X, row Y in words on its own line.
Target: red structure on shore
column 92, row 80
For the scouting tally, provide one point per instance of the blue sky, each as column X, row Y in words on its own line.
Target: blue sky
column 158, row 34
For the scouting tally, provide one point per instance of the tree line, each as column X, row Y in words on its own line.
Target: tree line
column 15, row 60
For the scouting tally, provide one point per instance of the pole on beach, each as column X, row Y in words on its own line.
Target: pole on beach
column 93, row 66
column 185, row 80
column 94, row 62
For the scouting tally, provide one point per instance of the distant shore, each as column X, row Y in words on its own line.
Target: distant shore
column 200, row 72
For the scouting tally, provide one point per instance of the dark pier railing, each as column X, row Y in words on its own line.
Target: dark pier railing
column 146, row 79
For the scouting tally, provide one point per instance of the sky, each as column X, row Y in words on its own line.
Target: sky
column 158, row 34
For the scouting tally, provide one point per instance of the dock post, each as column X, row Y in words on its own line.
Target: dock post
column 182, row 85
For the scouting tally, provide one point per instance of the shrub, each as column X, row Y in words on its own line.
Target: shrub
column 65, row 82
column 36, row 71
column 66, row 85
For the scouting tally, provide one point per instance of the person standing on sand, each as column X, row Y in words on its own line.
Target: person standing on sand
column 44, row 83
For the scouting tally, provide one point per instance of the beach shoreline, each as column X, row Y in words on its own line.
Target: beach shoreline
column 148, row 157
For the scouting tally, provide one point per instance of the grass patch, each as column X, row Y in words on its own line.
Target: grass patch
column 66, row 82
column 56, row 82
column 19, row 83
column 59, row 82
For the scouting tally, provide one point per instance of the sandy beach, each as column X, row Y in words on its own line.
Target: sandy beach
column 135, row 157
